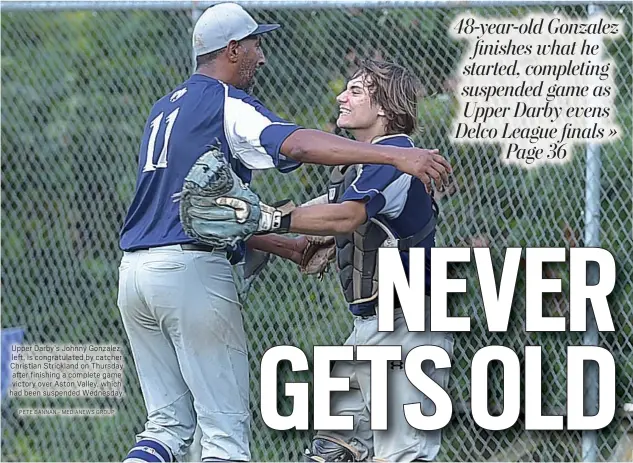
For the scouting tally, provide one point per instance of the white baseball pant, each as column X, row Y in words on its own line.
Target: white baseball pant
column 183, row 319
column 401, row 442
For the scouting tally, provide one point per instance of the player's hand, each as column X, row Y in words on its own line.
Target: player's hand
column 302, row 251
column 427, row 165
column 299, row 246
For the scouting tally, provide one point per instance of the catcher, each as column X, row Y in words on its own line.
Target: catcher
column 366, row 204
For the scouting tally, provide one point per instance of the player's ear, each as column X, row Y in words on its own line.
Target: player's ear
column 232, row 51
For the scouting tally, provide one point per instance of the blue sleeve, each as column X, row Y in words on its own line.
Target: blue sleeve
column 370, row 182
column 285, row 165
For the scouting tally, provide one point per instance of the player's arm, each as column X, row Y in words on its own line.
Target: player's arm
column 362, row 200
column 281, row 246
column 262, row 140
column 328, row 219
column 316, row 147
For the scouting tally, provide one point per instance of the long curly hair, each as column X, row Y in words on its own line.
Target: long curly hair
column 395, row 89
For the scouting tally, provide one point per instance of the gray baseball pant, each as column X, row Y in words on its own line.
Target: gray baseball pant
column 183, row 319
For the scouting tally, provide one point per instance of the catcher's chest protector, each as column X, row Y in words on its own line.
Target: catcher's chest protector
column 357, row 252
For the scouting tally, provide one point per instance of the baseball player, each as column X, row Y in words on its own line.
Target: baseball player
column 177, row 297
column 369, row 203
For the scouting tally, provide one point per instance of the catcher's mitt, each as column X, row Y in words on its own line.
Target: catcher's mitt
column 217, row 209
column 317, row 255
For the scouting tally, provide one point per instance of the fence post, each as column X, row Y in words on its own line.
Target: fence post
column 195, row 15
column 592, row 239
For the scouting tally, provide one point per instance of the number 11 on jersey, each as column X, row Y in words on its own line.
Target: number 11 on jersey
column 155, row 125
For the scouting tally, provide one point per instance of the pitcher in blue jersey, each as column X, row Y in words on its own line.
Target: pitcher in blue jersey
column 177, row 298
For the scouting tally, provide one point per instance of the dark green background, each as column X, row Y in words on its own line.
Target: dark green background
column 76, row 88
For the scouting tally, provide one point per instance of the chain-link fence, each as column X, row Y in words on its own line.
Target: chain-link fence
column 76, row 88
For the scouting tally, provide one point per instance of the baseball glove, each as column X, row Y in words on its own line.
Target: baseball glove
column 317, row 255
column 217, row 209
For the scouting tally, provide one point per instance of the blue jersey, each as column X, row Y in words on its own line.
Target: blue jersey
column 400, row 200
column 200, row 113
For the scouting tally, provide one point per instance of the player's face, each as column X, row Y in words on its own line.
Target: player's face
column 251, row 59
column 356, row 112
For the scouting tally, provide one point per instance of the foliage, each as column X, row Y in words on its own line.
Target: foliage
column 76, row 88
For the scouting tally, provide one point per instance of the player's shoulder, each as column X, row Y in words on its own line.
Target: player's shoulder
column 243, row 104
column 195, row 88
column 239, row 94
column 400, row 140
column 195, row 99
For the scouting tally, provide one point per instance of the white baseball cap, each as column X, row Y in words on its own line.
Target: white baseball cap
column 222, row 23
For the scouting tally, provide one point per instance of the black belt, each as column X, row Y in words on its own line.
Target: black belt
column 186, row 247
column 372, row 312
column 197, row 247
